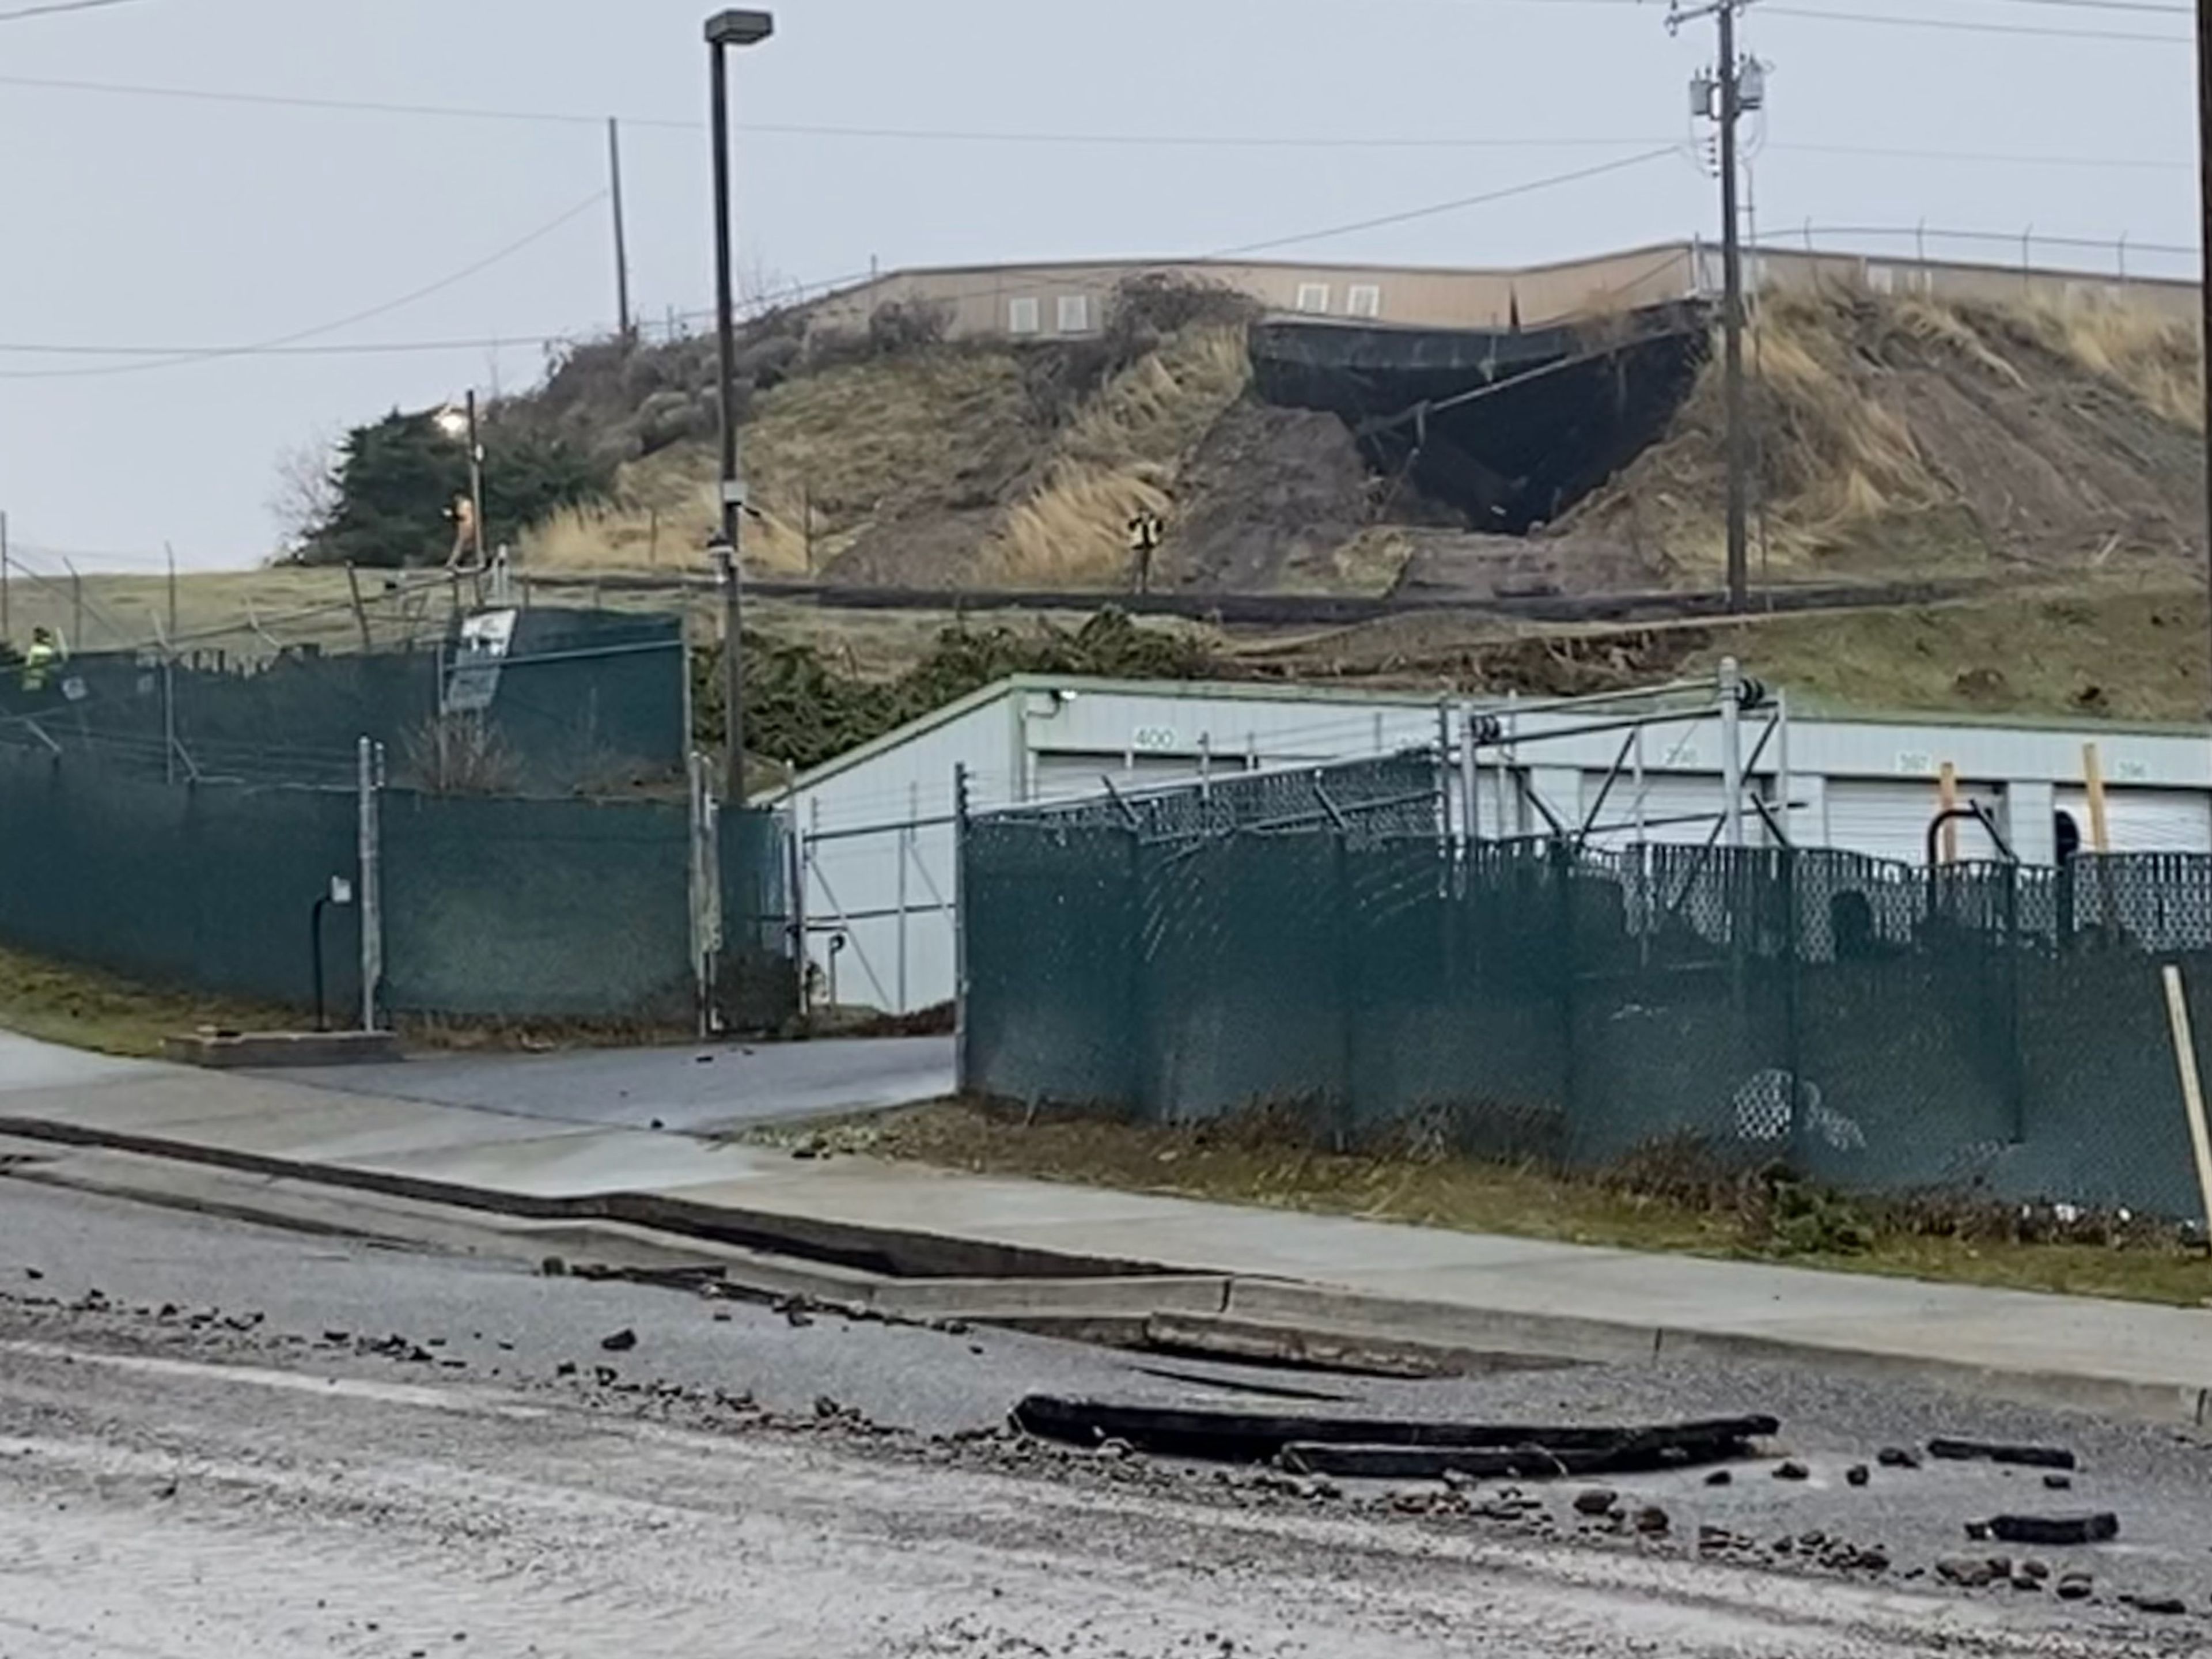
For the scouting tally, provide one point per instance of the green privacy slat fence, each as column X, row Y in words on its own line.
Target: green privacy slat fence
column 1993, row 1027
column 210, row 887
column 537, row 908
column 757, row 982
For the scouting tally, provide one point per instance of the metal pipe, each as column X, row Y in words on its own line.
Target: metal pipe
column 1732, row 747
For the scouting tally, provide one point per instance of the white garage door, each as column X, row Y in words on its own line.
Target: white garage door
column 1888, row 819
column 2145, row 820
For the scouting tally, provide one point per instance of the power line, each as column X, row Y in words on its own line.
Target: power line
column 215, row 353
column 790, row 295
column 1964, row 26
column 59, row 7
column 1454, row 206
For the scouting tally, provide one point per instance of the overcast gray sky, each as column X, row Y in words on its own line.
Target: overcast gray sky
column 137, row 221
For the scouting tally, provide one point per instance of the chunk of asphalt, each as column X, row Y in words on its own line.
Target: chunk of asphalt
column 1792, row 1471
column 1857, row 1476
column 1987, row 1452
column 2055, row 1530
column 621, row 1342
column 2165, row 1607
column 1598, row 1500
column 1896, row 1457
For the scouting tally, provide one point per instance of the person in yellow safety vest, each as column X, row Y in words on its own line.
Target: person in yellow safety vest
column 39, row 662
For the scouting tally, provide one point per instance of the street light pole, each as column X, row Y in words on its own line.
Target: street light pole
column 723, row 31
column 477, row 482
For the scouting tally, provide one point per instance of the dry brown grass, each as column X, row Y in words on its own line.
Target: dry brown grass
column 1119, row 457
column 835, row 451
column 2151, row 357
column 1266, row 1163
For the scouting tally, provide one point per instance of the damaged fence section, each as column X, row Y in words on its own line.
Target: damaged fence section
column 1991, row 1028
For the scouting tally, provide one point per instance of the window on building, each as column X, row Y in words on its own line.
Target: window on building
column 1314, row 297
column 1021, row 317
column 1881, row 279
column 1365, row 300
column 1075, row 313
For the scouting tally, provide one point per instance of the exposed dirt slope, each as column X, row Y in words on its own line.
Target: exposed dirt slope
column 1896, row 437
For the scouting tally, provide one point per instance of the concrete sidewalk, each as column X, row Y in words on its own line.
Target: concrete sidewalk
column 1264, row 1267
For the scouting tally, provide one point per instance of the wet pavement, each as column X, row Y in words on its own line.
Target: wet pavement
column 217, row 1437
column 707, row 1087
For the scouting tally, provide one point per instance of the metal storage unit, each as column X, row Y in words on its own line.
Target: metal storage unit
column 1888, row 818
column 2145, row 820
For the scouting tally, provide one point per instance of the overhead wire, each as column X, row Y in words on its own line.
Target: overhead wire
column 212, row 354
column 57, row 8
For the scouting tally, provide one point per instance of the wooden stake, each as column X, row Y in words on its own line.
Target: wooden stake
column 359, row 611
column 2192, row 1086
column 1950, row 798
column 2101, row 824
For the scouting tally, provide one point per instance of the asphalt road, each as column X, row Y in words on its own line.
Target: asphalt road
column 690, row 1088
column 218, row 1438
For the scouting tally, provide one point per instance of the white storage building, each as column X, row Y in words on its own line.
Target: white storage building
column 876, row 827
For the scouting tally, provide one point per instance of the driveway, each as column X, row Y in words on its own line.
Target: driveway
column 689, row 1089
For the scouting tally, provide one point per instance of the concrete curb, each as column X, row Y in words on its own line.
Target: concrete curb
column 936, row 1276
column 889, row 1252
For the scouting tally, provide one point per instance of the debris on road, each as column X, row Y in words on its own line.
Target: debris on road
column 2055, row 1529
column 1792, row 1470
column 1896, row 1457
column 1389, row 1448
column 1972, row 1451
column 2076, row 1587
column 1857, row 1476
column 1598, row 1500
column 621, row 1342
column 2165, row 1607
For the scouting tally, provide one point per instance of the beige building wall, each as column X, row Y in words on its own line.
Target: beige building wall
column 1059, row 301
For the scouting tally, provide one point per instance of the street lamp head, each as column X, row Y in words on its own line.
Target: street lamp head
column 739, row 29
column 453, row 422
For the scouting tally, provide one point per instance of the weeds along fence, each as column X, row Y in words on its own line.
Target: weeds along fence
column 1324, row 944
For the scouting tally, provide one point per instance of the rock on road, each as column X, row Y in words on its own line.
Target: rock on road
column 186, row 1483
column 156, row 1505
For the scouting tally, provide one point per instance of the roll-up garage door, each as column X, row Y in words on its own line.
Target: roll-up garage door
column 1888, row 818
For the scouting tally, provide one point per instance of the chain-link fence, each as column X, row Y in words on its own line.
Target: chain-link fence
column 1992, row 1028
column 490, row 910
column 213, row 888
column 551, row 703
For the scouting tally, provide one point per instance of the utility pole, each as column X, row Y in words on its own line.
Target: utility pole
column 1737, row 85
column 623, row 325
column 169, row 548
column 6, row 633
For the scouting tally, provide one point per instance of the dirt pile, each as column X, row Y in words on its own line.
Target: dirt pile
column 1271, row 495
column 1896, row 437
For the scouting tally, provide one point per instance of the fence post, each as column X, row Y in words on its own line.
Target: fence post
column 962, row 1078
column 707, row 919
column 906, row 852
column 1732, row 749
column 370, row 830
column 1561, row 853
column 1347, row 991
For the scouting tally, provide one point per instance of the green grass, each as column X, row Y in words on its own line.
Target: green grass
column 86, row 1009
column 1258, row 1165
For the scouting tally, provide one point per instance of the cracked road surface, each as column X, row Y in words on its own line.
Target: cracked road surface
column 186, row 1481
